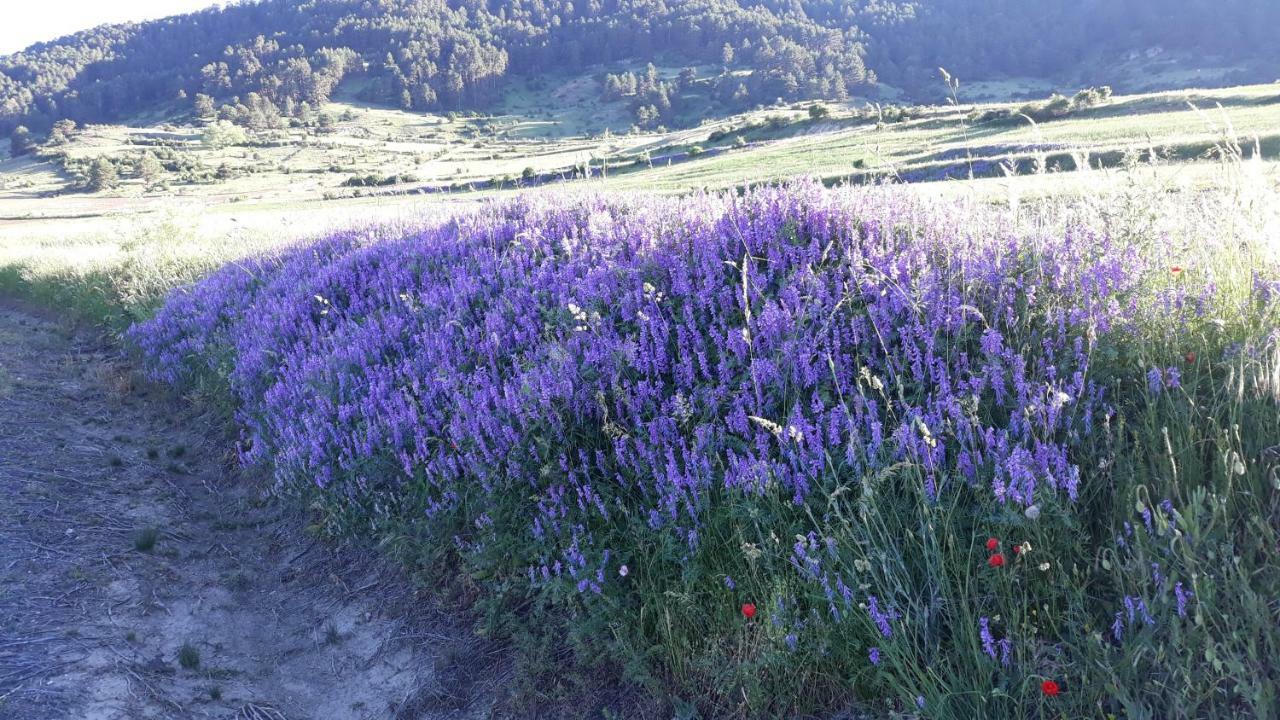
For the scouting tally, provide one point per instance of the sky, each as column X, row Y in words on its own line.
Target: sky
column 34, row 21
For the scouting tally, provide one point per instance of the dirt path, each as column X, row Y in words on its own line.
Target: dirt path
column 140, row 579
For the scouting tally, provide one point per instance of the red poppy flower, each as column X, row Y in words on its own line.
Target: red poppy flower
column 748, row 610
column 996, row 560
column 1175, row 269
column 992, row 544
column 1050, row 688
column 1191, row 357
column 1017, row 549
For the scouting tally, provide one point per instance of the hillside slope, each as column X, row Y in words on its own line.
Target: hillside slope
column 264, row 61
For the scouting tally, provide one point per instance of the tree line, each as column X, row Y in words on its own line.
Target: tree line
column 261, row 62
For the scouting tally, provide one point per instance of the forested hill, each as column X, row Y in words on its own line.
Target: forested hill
column 260, row 61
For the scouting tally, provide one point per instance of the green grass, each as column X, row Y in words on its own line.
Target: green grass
column 189, row 656
column 111, row 280
column 145, row 540
column 1160, row 121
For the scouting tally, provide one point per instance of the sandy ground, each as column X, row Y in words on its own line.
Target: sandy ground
column 94, row 618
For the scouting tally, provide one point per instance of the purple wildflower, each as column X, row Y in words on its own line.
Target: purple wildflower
column 881, row 619
column 462, row 360
column 988, row 642
column 1181, row 596
column 1155, row 381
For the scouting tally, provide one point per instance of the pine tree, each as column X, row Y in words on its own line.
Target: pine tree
column 103, row 175
column 20, row 142
column 204, row 106
column 612, row 87
column 61, row 132
column 149, row 168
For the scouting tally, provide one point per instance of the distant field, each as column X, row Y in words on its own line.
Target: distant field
column 293, row 184
column 527, row 144
column 1164, row 122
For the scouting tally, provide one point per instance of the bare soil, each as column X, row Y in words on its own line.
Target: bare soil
column 143, row 576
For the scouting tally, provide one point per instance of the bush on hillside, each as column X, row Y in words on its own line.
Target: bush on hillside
column 778, row 452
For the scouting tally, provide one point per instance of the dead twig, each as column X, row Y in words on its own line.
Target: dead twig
column 250, row 711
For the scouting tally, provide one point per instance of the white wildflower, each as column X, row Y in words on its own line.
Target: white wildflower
column 767, row 424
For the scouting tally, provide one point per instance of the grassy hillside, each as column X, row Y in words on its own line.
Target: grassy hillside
column 945, row 142
column 372, row 150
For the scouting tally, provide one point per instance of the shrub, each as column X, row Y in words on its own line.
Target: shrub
column 998, row 116
column 892, row 114
column 719, row 134
column 1091, row 96
column 778, row 451
column 375, row 180
column 1056, row 106
column 223, row 133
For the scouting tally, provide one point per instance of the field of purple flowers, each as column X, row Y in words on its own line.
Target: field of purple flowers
column 791, row 451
